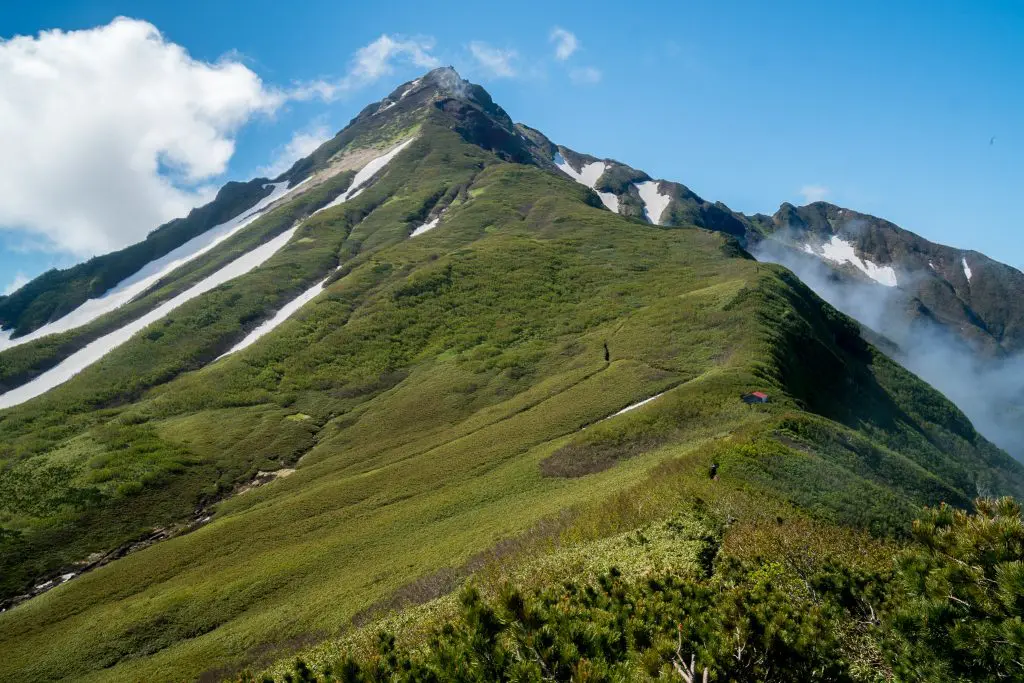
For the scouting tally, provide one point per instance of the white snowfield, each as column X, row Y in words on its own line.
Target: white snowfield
column 654, row 203
column 589, row 175
column 94, row 351
column 286, row 312
column 425, row 227
column 610, row 201
column 364, row 175
column 967, row 268
column 839, row 250
column 144, row 278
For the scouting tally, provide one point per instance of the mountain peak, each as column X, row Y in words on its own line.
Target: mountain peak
column 440, row 83
column 447, row 79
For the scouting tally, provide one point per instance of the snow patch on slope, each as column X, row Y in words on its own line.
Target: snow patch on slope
column 566, row 167
column 610, row 201
column 144, row 278
column 89, row 354
column 967, row 268
column 654, row 203
column 364, row 175
column 97, row 349
column 839, row 250
column 412, row 86
column 589, row 175
column 286, row 312
column 425, row 227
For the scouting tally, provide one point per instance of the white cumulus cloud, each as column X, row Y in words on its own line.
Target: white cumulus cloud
column 94, row 124
column 106, row 133
column 586, row 75
column 372, row 62
column 565, row 43
column 302, row 144
column 814, row 193
column 495, row 61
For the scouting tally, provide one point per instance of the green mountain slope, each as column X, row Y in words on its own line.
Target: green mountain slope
column 953, row 317
column 445, row 393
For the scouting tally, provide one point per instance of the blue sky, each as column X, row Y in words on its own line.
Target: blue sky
column 886, row 110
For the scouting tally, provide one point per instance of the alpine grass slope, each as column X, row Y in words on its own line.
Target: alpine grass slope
column 953, row 317
column 447, row 330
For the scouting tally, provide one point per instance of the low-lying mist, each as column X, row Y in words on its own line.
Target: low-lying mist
column 990, row 391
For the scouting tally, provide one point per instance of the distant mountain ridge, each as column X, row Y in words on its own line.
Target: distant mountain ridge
column 963, row 290
column 983, row 303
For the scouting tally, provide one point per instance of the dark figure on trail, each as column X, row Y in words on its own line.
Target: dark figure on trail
column 607, row 356
column 713, row 472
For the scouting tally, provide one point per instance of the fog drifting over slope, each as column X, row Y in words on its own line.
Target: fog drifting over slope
column 989, row 391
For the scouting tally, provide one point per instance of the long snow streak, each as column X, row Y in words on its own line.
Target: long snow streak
column 654, row 203
column 286, row 312
column 364, row 175
column 637, row 405
column 589, row 175
column 426, row 227
column 94, row 351
column 967, row 268
column 144, row 278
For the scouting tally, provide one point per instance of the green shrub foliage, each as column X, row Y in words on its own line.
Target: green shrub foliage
column 949, row 611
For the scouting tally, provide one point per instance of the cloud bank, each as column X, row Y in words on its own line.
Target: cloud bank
column 371, row 63
column 302, row 144
column 95, row 124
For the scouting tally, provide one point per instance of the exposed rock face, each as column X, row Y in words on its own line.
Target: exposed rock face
column 980, row 299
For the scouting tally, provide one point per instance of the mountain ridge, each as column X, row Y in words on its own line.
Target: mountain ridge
column 460, row 379
column 685, row 208
column 983, row 321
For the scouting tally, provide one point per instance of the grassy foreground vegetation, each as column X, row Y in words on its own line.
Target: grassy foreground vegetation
column 419, row 398
column 946, row 607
